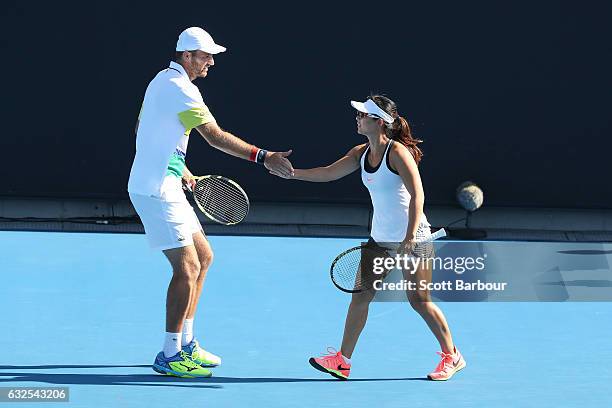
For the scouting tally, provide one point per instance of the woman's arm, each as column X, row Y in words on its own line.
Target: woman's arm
column 342, row 167
column 235, row 146
column 401, row 160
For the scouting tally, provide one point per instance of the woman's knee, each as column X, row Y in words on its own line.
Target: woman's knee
column 419, row 301
column 361, row 300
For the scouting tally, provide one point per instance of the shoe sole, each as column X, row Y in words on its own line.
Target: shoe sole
column 163, row 371
column 325, row 370
column 459, row 368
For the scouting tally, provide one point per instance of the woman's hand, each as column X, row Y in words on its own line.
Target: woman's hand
column 284, row 175
column 407, row 246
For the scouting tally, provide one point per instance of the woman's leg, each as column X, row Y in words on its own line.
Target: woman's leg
column 420, row 301
column 337, row 363
column 355, row 321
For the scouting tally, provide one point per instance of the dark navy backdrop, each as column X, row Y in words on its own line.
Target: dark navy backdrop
column 514, row 96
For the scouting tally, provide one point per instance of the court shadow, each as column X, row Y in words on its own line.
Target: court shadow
column 225, row 380
column 51, row 367
column 143, row 380
column 150, row 380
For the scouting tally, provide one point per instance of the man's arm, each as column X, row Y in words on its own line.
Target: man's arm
column 340, row 168
column 233, row 145
column 188, row 178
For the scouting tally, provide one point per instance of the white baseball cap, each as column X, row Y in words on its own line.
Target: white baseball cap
column 195, row 38
column 371, row 108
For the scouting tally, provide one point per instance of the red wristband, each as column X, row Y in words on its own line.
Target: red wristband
column 253, row 155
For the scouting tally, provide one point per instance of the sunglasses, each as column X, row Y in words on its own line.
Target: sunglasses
column 364, row 115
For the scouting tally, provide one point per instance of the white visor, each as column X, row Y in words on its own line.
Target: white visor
column 372, row 108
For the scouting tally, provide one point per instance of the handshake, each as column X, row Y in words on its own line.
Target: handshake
column 278, row 164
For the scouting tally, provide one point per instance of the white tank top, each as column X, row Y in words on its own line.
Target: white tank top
column 390, row 199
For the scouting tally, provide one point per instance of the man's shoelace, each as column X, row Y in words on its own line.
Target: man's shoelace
column 187, row 358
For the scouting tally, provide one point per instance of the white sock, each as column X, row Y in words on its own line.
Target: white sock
column 346, row 359
column 187, row 331
column 172, row 344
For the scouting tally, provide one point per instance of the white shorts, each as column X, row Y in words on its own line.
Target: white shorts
column 169, row 221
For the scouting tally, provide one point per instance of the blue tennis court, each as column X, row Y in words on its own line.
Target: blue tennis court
column 86, row 311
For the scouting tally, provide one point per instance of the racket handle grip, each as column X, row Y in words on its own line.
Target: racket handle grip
column 187, row 187
column 441, row 233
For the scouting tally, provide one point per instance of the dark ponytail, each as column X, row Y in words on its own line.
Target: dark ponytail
column 399, row 130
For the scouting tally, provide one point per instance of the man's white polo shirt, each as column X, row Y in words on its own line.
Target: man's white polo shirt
column 172, row 107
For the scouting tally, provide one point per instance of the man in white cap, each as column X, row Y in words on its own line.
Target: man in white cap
column 172, row 107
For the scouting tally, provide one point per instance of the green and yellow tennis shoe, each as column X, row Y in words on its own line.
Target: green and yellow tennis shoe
column 201, row 356
column 179, row 365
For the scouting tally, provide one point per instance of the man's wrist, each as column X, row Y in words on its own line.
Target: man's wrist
column 261, row 156
column 253, row 155
column 258, row 155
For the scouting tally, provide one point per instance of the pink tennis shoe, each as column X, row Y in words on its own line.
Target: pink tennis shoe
column 449, row 365
column 332, row 363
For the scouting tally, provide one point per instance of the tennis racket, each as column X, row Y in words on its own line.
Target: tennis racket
column 356, row 269
column 220, row 199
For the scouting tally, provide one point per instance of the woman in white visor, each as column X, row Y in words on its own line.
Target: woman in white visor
column 388, row 164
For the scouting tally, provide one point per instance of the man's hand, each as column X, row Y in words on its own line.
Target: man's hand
column 188, row 180
column 189, row 183
column 278, row 164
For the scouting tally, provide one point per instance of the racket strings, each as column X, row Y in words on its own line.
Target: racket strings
column 354, row 270
column 225, row 202
column 218, row 198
